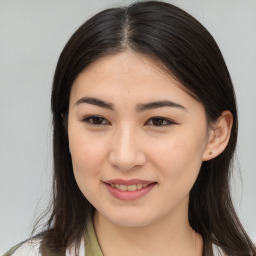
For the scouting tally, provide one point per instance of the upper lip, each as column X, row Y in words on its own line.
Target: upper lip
column 128, row 182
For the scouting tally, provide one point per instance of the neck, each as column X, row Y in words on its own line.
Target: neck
column 172, row 236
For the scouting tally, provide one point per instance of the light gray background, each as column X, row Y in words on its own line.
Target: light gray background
column 32, row 35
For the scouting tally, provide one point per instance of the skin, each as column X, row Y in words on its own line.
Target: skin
column 127, row 143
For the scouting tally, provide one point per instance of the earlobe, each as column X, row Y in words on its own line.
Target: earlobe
column 219, row 136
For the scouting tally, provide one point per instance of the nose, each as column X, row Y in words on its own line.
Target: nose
column 126, row 152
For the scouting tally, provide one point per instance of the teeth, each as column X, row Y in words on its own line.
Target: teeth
column 123, row 187
column 133, row 187
column 139, row 186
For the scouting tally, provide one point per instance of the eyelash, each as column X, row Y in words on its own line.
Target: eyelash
column 103, row 121
column 164, row 121
column 89, row 120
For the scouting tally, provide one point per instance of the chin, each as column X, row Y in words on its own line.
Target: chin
column 130, row 220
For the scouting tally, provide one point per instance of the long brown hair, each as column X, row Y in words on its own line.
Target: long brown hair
column 189, row 52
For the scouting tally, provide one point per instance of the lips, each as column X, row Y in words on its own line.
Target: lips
column 129, row 189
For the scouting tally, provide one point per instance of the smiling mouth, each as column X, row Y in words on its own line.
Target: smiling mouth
column 129, row 190
column 133, row 187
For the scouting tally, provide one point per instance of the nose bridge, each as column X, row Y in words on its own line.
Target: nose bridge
column 126, row 152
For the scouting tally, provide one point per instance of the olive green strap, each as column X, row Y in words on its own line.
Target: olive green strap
column 92, row 247
column 47, row 252
column 44, row 251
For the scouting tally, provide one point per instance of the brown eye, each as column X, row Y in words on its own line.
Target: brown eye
column 96, row 120
column 159, row 121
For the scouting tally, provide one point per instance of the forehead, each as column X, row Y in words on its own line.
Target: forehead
column 128, row 76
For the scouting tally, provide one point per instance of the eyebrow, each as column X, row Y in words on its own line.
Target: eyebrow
column 139, row 107
column 96, row 102
column 158, row 104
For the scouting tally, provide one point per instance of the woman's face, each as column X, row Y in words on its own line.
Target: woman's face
column 137, row 140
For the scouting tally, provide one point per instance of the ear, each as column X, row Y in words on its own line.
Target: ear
column 219, row 135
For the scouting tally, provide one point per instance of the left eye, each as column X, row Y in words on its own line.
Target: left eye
column 159, row 121
column 95, row 120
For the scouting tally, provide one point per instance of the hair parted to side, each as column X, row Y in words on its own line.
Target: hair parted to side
column 190, row 54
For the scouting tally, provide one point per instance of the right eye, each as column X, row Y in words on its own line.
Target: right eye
column 95, row 120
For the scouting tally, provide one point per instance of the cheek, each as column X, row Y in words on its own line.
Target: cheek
column 179, row 164
column 87, row 157
column 86, row 167
column 180, row 158
column 86, row 150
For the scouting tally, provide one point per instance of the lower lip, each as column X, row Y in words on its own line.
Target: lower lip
column 129, row 195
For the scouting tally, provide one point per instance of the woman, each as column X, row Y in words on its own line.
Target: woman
column 145, row 127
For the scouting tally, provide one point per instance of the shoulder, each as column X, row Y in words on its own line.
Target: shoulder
column 33, row 247
column 26, row 248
